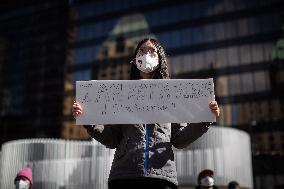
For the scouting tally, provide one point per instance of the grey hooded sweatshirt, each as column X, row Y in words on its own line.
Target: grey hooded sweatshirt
column 145, row 150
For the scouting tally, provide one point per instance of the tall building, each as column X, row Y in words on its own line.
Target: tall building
column 46, row 47
column 231, row 41
column 33, row 44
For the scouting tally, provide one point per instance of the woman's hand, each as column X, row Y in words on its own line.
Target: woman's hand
column 213, row 105
column 76, row 109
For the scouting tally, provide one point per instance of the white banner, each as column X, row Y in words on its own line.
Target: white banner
column 145, row 101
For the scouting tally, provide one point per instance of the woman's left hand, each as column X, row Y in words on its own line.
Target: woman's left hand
column 213, row 105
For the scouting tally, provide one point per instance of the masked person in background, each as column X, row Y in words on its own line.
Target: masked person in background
column 24, row 179
column 205, row 180
column 234, row 185
column 144, row 157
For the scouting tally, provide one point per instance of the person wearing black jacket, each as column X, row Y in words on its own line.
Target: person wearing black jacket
column 144, row 157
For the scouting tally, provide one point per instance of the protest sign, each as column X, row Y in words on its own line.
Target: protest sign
column 145, row 101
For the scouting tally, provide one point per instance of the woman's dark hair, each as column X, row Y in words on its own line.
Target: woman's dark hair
column 161, row 72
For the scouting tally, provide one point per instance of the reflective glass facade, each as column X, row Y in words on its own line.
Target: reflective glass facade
column 33, row 46
column 231, row 41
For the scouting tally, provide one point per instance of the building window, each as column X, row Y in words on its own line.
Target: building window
column 247, row 83
column 105, row 52
column 120, row 45
column 233, row 55
column 245, row 54
column 222, row 58
column 261, row 81
column 222, row 86
column 243, row 27
column 131, row 50
column 234, row 84
column 257, row 53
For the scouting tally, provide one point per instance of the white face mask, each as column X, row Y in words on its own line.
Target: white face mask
column 147, row 63
column 207, row 181
column 22, row 184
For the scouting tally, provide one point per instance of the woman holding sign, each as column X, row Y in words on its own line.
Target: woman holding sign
column 144, row 157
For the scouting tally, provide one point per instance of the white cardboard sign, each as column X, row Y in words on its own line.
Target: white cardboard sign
column 145, row 101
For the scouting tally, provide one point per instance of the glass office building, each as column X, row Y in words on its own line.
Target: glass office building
column 33, row 50
column 46, row 47
column 232, row 41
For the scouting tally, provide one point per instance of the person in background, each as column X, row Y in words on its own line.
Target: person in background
column 24, row 179
column 144, row 157
column 234, row 185
column 206, row 180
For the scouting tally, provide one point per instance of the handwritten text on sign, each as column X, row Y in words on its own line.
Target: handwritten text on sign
column 145, row 101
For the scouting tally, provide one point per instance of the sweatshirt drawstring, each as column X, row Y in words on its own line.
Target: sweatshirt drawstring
column 146, row 150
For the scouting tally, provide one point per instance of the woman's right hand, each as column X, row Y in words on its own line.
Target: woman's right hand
column 76, row 109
